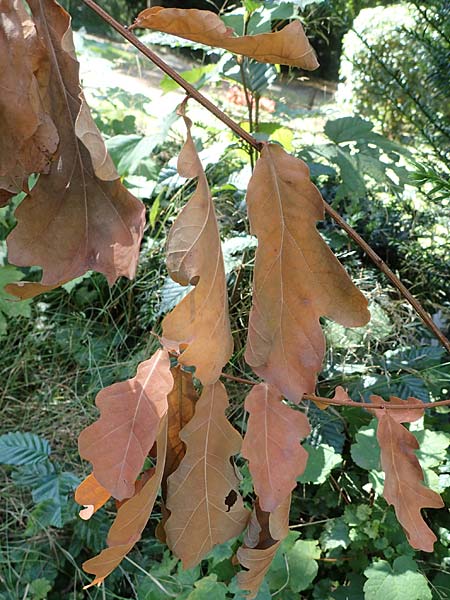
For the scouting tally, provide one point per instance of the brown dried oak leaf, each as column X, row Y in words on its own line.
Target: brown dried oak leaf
column 91, row 495
column 272, row 445
column 131, row 519
column 79, row 216
column 297, row 279
column 261, row 542
column 205, row 506
column 403, row 486
column 198, row 326
column 290, row 46
column 130, row 415
column 28, row 136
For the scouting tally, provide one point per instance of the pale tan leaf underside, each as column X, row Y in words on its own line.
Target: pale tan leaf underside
column 199, row 325
column 290, row 46
column 403, row 486
column 130, row 415
column 203, row 499
column 273, row 528
column 73, row 221
column 297, row 278
column 131, row 519
column 272, row 445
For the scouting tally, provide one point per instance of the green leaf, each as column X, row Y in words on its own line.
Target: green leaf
column 321, row 462
column 347, row 129
column 433, row 446
column 197, row 77
column 335, row 534
column 399, row 582
column 296, row 565
column 208, row 588
column 326, row 428
column 366, row 451
column 9, row 305
column 39, row 588
column 23, row 449
column 352, row 591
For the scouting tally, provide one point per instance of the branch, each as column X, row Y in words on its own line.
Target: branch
column 336, row 402
column 196, row 95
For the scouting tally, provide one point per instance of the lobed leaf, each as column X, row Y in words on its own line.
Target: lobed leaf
column 403, row 487
column 290, row 46
column 257, row 556
column 29, row 137
column 79, row 216
column 199, row 326
column 272, row 445
column 130, row 416
column 203, row 499
column 131, row 519
column 297, row 278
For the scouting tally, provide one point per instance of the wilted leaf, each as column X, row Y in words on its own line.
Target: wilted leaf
column 297, row 278
column 199, row 325
column 91, row 495
column 290, row 46
column 72, row 220
column 272, row 445
column 206, row 508
column 274, row 527
column 131, row 519
column 403, row 485
column 29, row 137
column 130, row 415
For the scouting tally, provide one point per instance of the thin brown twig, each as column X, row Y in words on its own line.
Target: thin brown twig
column 247, row 137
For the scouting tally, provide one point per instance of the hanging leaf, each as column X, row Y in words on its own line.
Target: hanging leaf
column 203, row 499
column 403, row 486
column 74, row 220
column 273, row 527
column 290, row 46
column 272, row 445
column 29, row 138
column 131, row 519
column 198, row 326
column 297, row 279
column 130, row 415
column 91, row 495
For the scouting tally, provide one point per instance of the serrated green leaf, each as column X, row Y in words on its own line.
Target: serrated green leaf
column 39, row 589
column 366, row 450
column 208, row 588
column 433, row 446
column 23, row 449
column 399, row 582
column 321, row 462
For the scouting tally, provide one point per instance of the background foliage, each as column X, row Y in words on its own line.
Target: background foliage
column 61, row 349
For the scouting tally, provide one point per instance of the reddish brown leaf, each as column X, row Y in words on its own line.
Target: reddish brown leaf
column 205, row 479
column 130, row 415
column 297, row 279
column 272, row 445
column 403, row 486
column 91, row 495
column 289, row 46
column 273, row 528
column 73, row 220
column 29, row 137
column 131, row 519
column 199, row 325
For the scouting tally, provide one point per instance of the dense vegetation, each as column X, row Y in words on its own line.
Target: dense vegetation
column 59, row 350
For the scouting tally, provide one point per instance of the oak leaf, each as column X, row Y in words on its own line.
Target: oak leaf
column 203, row 499
column 130, row 415
column 91, row 495
column 29, row 138
column 74, row 220
column 272, row 445
column 297, row 278
column 273, row 528
column 403, row 486
column 290, row 46
column 131, row 519
column 198, row 326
